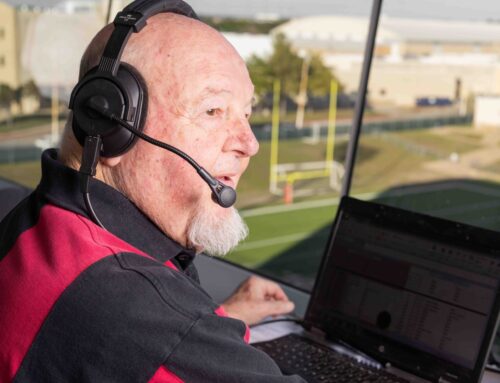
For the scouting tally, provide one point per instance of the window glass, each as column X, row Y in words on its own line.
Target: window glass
column 40, row 47
column 435, row 85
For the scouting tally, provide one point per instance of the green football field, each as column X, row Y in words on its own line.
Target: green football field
column 288, row 241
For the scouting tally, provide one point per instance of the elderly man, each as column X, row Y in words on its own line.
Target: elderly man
column 122, row 302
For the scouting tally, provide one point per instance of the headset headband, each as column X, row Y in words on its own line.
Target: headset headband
column 132, row 19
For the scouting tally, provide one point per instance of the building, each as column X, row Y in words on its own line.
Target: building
column 414, row 58
column 10, row 71
column 487, row 111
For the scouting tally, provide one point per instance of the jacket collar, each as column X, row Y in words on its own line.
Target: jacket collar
column 60, row 186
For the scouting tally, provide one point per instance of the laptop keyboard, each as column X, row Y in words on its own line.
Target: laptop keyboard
column 317, row 363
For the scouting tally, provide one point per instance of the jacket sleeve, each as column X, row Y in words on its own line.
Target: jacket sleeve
column 214, row 350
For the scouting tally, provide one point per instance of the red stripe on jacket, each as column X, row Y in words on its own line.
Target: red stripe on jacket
column 222, row 313
column 44, row 261
column 163, row 375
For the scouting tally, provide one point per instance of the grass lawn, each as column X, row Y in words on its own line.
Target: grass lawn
column 318, row 115
column 383, row 160
column 456, row 139
column 493, row 167
column 24, row 173
column 276, row 232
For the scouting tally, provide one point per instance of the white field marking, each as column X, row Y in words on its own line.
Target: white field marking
column 334, row 201
column 287, row 208
column 273, row 241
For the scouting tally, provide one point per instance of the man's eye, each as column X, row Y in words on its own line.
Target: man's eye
column 213, row 112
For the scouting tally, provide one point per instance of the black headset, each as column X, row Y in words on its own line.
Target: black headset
column 110, row 102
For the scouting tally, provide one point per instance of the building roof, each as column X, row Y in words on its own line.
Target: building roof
column 38, row 3
column 249, row 44
column 391, row 29
column 444, row 31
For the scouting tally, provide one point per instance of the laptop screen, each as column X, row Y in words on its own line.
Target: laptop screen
column 407, row 287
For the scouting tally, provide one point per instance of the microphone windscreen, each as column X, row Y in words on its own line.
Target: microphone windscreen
column 226, row 197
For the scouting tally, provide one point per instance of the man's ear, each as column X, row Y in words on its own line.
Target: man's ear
column 110, row 162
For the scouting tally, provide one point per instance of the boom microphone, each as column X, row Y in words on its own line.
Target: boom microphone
column 222, row 194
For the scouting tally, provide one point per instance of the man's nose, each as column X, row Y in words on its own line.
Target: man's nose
column 243, row 139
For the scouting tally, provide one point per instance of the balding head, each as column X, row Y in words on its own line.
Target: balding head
column 165, row 31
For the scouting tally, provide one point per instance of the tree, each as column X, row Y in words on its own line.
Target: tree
column 319, row 77
column 30, row 89
column 262, row 75
column 7, row 95
column 284, row 64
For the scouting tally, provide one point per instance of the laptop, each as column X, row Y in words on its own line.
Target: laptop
column 418, row 294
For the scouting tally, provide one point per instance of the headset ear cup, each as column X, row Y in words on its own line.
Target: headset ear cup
column 124, row 94
column 85, row 122
column 120, row 140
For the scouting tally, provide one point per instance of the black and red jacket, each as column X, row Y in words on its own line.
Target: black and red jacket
column 82, row 304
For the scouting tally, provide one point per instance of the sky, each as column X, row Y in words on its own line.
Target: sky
column 441, row 9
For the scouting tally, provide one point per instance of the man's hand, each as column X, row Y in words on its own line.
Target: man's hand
column 255, row 299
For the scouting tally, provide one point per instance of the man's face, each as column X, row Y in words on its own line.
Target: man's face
column 201, row 107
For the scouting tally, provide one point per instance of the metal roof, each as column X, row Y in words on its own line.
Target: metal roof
column 354, row 29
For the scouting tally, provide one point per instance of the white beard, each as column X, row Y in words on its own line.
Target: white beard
column 214, row 235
